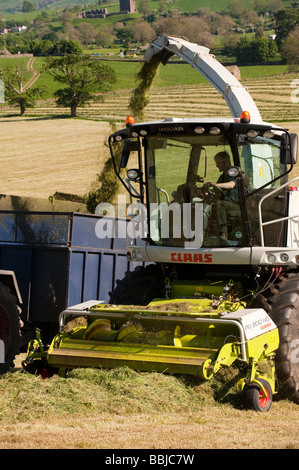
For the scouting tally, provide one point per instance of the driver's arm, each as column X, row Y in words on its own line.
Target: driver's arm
column 229, row 185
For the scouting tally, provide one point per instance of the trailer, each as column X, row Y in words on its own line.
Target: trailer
column 49, row 261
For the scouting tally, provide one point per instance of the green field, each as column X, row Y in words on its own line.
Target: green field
column 172, row 74
column 178, row 90
column 181, row 5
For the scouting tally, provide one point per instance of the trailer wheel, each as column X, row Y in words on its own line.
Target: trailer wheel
column 282, row 304
column 9, row 328
column 139, row 287
column 253, row 397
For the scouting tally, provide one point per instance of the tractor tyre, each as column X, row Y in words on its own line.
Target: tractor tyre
column 281, row 302
column 253, row 397
column 10, row 328
column 139, row 287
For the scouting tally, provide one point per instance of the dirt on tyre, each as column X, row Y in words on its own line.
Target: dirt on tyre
column 10, row 328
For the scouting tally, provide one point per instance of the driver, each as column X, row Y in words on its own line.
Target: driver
column 228, row 187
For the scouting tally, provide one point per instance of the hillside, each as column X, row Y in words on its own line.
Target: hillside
column 181, row 5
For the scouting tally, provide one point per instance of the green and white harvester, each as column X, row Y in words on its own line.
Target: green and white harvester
column 215, row 234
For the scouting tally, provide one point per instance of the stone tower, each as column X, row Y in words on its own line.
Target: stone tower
column 127, row 5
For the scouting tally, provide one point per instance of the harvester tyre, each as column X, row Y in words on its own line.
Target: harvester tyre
column 282, row 304
column 138, row 287
column 253, row 397
column 10, row 327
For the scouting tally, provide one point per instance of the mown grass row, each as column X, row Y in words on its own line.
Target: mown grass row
column 180, row 91
column 24, row 397
column 193, row 101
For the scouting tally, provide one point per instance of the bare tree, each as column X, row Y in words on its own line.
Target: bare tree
column 290, row 49
column 88, row 33
column 18, row 89
column 143, row 32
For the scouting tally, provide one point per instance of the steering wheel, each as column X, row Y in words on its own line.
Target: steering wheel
column 212, row 193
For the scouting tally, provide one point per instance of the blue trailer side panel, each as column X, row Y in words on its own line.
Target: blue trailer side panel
column 60, row 260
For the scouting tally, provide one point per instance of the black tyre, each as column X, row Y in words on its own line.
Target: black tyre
column 139, row 287
column 282, row 304
column 253, row 397
column 39, row 367
column 10, row 327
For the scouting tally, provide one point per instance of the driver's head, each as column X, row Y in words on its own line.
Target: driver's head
column 222, row 160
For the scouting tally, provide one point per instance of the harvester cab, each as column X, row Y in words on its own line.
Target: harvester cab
column 204, row 184
column 214, row 232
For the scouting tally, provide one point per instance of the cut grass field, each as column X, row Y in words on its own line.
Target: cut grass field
column 123, row 409
column 43, row 156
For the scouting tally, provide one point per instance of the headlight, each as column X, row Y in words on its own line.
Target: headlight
column 234, row 171
column 284, row 257
column 133, row 174
column 271, row 258
column 268, row 134
column 215, row 131
column 252, row 133
column 199, row 130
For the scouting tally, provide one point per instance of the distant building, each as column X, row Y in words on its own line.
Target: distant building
column 235, row 71
column 98, row 13
column 127, row 6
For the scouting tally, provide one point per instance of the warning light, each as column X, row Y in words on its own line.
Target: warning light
column 245, row 117
column 130, row 121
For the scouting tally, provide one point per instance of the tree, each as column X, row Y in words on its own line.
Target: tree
column 43, row 48
column 125, row 35
column 144, row 7
column 66, row 17
column 82, row 77
column 143, row 32
column 65, row 47
column 105, row 36
column 17, row 92
column 196, row 29
column 27, row 7
column 260, row 50
column 286, row 20
column 88, row 33
column 236, row 8
column 290, row 49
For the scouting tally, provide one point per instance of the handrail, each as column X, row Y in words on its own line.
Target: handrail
column 274, row 221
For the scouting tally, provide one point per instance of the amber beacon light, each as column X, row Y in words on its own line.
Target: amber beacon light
column 130, row 121
column 245, row 117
